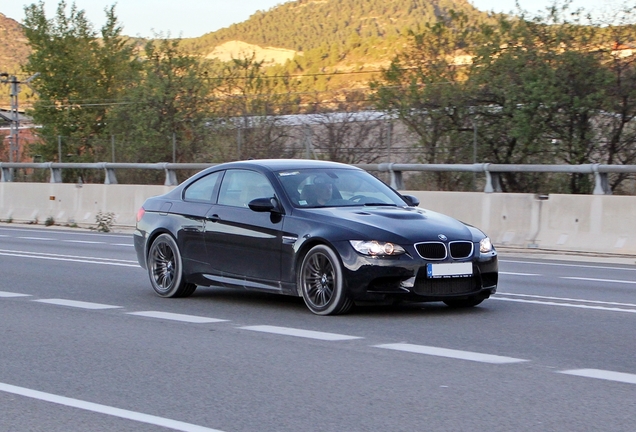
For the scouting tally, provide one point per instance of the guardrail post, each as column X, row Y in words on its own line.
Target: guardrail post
column 109, row 176
column 171, row 177
column 397, row 181
column 6, row 175
column 395, row 177
column 493, row 181
column 601, row 185
column 56, row 174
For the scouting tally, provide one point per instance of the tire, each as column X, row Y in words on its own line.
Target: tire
column 464, row 303
column 321, row 282
column 165, row 268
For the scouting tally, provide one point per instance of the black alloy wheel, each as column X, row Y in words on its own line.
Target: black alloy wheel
column 321, row 282
column 165, row 268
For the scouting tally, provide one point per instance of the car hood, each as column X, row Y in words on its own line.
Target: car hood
column 407, row 223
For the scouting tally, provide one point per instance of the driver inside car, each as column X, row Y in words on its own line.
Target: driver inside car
column 318, row 193
column 324, row 191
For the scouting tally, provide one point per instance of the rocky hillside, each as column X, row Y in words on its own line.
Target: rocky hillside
column 303, row 25
column 315, row 35
column 333, row 32
column 13, row 45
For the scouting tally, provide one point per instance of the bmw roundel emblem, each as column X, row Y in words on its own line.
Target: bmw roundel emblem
column 442, row 237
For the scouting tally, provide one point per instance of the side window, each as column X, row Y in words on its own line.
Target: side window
column 202, row 189
column 239, row 187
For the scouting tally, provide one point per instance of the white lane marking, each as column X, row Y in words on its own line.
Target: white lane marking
column 598, row 280
column 36, row 238
column 177, row 317
column 11, row 294
column 66, row 232
column 451, row 353
column 105, row 409
column 569, row 265
column 83, row 241
column 602, row 374
column 580, row 306
column 300, row 333
column 566, row 299
column 64, row 256
column 518, row 274
column 70, row 258
column 77, row 304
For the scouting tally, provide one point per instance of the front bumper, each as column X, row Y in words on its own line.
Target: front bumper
column 405, row 277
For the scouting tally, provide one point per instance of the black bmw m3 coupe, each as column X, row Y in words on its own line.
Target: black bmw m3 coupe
column 330, row 233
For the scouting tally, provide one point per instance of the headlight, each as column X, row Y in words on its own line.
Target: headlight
column 376, row 248
column 485, row 245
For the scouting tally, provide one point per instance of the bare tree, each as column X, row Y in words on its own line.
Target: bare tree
column 349, row 136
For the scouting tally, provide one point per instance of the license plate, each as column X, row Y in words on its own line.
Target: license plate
column 449, row 270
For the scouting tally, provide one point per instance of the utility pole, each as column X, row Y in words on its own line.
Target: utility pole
column 15, row 119
column 14, row 134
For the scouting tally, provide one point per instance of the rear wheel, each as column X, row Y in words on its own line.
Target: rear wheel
column 165, row 268
column 464, row 303
column 321, row 282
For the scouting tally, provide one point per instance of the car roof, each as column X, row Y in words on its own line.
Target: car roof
column 285, row 164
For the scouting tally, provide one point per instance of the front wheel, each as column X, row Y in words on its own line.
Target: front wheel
column 165, row 268
column 321, row 282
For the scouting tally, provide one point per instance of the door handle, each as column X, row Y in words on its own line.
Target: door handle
column 214, row 218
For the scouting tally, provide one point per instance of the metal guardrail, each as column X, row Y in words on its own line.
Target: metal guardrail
column 493, row 172
column 109, row 168
column 395, row 170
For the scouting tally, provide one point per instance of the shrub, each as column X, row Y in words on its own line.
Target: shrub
column 105, row 221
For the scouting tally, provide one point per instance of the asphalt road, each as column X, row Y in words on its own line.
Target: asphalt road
column 85, row 345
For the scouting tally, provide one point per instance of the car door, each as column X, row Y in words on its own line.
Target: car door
column 196, row 202
column 244, row 246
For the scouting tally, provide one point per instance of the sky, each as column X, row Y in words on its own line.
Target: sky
column 193, row 18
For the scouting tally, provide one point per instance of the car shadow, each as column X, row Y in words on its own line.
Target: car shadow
column 419, row 309
column 231, row 297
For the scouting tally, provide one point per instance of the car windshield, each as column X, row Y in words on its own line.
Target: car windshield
column 310, row 188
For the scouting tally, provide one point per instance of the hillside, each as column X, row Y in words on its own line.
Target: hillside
column 333, row 34
column 13, row 45
column 235, row 49
column 306, row 36
column 304, row 25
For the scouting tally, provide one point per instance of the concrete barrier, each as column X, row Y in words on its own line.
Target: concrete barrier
column 590, row 223
column 577, row 223
column 509, row 219
column 73, row 204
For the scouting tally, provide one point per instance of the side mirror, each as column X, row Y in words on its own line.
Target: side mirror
column 264, row 205
column 411, row 200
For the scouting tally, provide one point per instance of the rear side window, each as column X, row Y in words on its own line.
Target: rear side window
column 203, row 189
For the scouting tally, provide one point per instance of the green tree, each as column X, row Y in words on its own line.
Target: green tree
column 539, row 86
column 506, row 85
column 616, row 121
column 81, row 73
column 425, row 88
column 543, row 90
column 165, row 110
